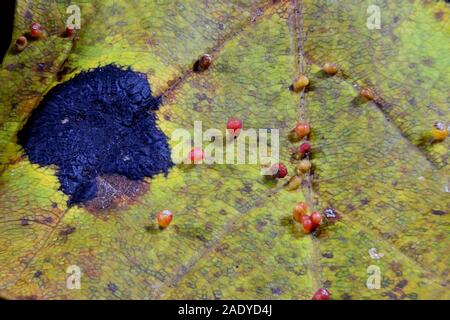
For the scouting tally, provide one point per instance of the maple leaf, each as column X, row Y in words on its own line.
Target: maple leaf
column 233, row 236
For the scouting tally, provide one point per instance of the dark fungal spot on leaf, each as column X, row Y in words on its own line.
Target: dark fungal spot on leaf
column 331, row 214
column 65, row 232
column 438, row 212
column 98, row 123
column 112, row 287
column 346, row 296
column 40, row 66
column 277, row 291
column 439, row 15
column 364, row 201
column 402, row 284
column 24, row 222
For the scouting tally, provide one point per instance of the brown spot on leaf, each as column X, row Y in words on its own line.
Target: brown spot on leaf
column 66, row 231
column 402, row 284
column 428, row 62
column 439, row 15
column 89, row 264
column 115, row 191
column 346, row 296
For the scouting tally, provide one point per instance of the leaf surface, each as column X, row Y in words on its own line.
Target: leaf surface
column 233, row 236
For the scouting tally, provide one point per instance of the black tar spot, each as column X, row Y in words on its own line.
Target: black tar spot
column 98, row 123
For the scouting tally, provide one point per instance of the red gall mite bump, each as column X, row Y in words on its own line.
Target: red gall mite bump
column 21, row 43
column 316, row 219
column 299, row 211
column 280, row 170
column 367, row 93
column 304, row 148
column 164, row 218
column 36, row 30
column 330, row 68
column 196, row 155
column 302, row 129
column 203, row 63
column 234, row 126
column 70, row 31
column 439, row 132
column 321, row 294
column 300, row 83
column 307, row 223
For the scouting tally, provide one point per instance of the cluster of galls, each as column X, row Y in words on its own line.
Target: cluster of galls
column 309, row 222
column 37, row 31
column 302, row 131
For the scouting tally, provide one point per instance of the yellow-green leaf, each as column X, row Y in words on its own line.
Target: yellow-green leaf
column 233, row 236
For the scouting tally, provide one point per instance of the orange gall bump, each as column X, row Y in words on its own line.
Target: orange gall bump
column 439, row 132
column 299, row 211
column 164, row 218
column 330, row 68
column 36, row 30
column 302, row 129
column 300, row 83
column 304, row 166
column 21, row 43
column 367, row 93
column 196, row 155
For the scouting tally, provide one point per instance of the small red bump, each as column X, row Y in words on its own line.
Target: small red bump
column 321, row 294
column 203, row 63
column 70, row 31
column 305, row 148
column 234, row 126
column 196, row 155
column 36, row 30
column 307, row 223
column 21, row 43
column 316, row 219
column 164, row 218
column 280, row 170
